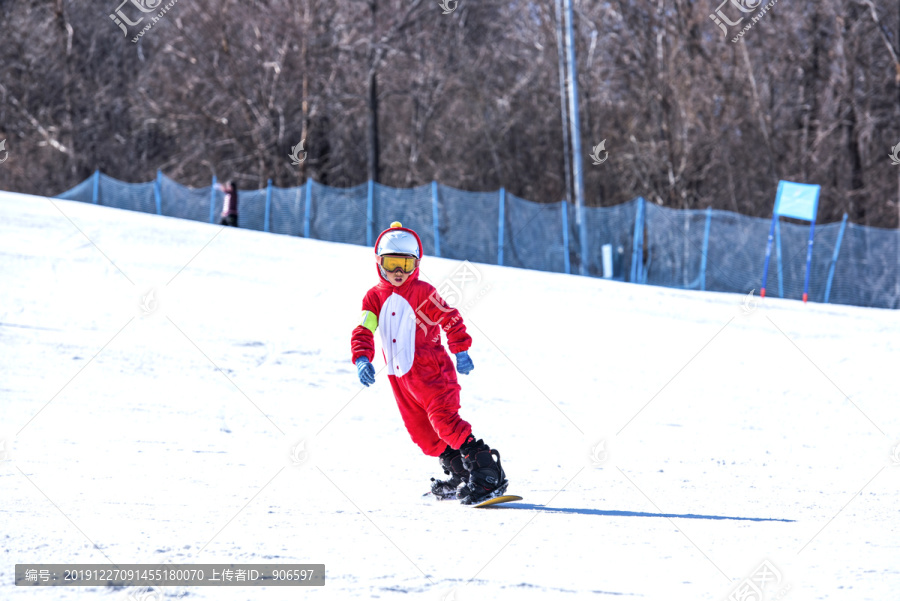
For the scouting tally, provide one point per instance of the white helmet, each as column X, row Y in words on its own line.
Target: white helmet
column 398, row 243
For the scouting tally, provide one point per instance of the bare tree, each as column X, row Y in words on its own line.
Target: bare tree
column 402, row 94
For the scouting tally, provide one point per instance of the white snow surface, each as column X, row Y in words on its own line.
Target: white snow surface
column 156, row 373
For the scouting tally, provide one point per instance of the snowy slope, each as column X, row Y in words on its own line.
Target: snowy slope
column 155, row 375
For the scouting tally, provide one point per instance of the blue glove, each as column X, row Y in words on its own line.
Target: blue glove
column 366, row 371
column 464, row 363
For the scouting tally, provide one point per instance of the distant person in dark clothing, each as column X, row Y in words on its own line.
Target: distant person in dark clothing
column 230, row 206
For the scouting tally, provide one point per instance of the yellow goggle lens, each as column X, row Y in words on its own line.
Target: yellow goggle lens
column 391, row 263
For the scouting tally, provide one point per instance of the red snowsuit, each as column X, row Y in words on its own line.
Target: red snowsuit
column 410, row 318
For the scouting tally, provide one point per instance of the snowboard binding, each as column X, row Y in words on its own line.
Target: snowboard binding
column 486, row 476
column 452, row 464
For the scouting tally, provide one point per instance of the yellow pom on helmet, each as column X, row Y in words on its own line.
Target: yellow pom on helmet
column 396, row 224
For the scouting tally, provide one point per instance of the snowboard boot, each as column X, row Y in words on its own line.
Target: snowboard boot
column 451, row 463
column 486, row 476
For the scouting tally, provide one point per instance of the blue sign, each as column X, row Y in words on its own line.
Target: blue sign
column 800, row 201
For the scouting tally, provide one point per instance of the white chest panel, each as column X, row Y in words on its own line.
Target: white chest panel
column 397, row 324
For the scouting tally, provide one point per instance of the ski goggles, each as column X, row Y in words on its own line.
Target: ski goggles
column 391, row 262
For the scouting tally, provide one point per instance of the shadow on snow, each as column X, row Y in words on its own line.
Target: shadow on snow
column 637, row 514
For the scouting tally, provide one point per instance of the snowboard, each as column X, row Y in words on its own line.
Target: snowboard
column 498, row 500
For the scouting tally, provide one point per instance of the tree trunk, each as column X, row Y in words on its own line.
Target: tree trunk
column 372, row 96
column 304, row 102
column 373, row 125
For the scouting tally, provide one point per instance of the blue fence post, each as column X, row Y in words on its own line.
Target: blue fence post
column 634, row 242
column 809, row 249
column 762, row 290
column 434, row 218
column 268, row 205
column 96, row 186
column 642, row 276
column 705, row 249
column 834, row 257
column 778, row 259
column 565, row 228
column 156, row 192
column 212, row 201
column 500, row 221
column 637, row 249
column 308, row 208
column 370, row 214
column 584, row 265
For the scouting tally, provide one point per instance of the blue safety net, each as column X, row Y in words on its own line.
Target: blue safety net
column 635, row 241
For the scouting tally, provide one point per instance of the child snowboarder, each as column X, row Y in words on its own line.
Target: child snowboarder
column 410, row 314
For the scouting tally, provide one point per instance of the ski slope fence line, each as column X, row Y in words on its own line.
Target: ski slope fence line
column 636, row 241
